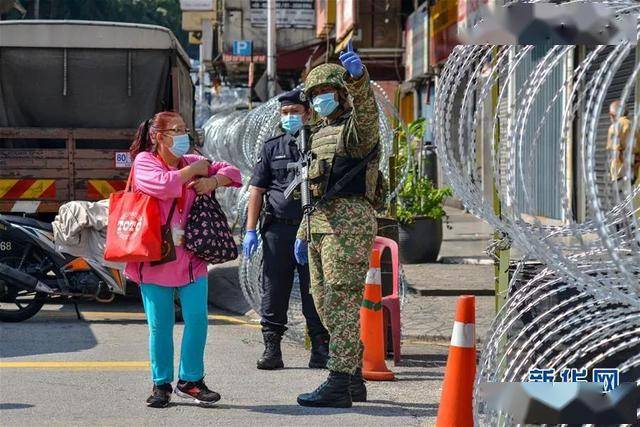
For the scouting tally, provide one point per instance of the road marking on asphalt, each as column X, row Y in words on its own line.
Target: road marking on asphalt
column 425, row 342
column 236, row 320
column 109, row 365
column 100, row 315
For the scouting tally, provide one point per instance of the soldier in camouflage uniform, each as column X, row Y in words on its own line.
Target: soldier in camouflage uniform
column 342, row 227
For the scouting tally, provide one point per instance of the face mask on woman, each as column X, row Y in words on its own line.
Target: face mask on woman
column 180, row 146
column 291, row 123
column 325, row 103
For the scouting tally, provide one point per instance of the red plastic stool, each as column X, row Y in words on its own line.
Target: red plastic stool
column 391, row 302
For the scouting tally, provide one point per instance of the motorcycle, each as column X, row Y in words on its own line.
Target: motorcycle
column 33, row 272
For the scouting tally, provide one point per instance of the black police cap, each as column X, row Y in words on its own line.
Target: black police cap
column 293, row 97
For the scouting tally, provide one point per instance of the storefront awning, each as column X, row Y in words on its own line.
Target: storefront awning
column 296, row 59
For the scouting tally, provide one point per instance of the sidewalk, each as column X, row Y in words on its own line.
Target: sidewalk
column 463, row 269
column 466, row 241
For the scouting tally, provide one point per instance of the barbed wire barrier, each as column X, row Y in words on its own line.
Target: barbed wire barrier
column 236, row 137
column 545, row 121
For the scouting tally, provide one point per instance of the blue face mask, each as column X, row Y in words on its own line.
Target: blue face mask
column 325, row 103
column 291, row 123
column 181, row 145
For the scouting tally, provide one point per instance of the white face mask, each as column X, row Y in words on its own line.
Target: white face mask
column 181, row 145
column 291, row 122
column 325, row 104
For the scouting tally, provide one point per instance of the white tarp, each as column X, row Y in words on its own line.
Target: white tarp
column 80, row 229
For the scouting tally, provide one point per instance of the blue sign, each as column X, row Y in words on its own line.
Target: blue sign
column 242, row 47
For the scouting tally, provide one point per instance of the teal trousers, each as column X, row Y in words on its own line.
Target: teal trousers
column 159, row 307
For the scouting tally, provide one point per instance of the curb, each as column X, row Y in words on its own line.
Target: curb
column 479, row 260
column 431, row 339
column 450, row 292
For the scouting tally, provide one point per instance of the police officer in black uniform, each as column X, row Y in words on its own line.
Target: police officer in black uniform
column 280, row 221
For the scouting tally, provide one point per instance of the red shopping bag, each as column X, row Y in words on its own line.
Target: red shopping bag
column 133, row 229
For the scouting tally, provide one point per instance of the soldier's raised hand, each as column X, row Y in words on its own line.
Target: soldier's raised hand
column 351, row 61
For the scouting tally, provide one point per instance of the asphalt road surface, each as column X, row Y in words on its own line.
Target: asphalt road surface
column 60, row 371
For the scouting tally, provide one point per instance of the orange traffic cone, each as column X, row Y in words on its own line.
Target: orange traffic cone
column 457, row 390
column 374, row 367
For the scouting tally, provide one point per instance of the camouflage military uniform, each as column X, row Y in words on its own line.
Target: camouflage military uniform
column 342, row 232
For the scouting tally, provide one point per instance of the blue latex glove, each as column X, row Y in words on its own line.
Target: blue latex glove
column 300, row 251
column 250, row 243
column 352, row 62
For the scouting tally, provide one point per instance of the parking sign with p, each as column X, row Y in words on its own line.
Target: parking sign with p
column 242, row 47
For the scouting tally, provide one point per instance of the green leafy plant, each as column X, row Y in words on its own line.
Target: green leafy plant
column 418, row 197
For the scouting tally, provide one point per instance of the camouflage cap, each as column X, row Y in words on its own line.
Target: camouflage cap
column 331, row 74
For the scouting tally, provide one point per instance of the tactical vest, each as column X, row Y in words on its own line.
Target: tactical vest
column 330, row 161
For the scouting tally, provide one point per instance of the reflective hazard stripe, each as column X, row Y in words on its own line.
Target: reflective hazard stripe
column 39, row 188
column 102, row 188
column 13, row 189
column 27, row 188
column 6, row 185
column 464, row 335
column 374, row 277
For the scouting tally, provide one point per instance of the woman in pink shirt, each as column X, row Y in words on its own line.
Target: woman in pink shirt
column 163, row 170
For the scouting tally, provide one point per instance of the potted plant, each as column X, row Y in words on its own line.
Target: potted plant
column 420, row 215
column 420, row 204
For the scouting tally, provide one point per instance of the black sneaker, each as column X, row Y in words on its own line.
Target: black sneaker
column 197, row 391
column 160, row 396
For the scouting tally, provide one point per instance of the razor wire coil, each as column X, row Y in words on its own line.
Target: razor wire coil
column 581, row 306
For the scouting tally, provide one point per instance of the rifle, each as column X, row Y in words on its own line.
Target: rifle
column 301, row 179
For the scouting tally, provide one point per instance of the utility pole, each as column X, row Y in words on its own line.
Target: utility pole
column 271, row 48
column 201, row 71
column 36, row 9
column 501, row 265
column 205, row 55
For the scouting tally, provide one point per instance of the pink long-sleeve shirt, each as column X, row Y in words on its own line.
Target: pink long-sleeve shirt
column 152, row 177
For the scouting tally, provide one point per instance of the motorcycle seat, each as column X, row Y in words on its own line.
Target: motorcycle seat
column 29, row 222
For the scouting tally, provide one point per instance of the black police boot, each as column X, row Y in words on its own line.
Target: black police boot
column 333, row 393
column 272, row 356
column 357, row 388
column 319, row 352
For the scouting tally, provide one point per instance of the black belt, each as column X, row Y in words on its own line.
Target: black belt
column 287, row 221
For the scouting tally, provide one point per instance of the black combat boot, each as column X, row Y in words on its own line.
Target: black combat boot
column 357, row 388
column 272, row 356
column 333, row 393
column 319, row 352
